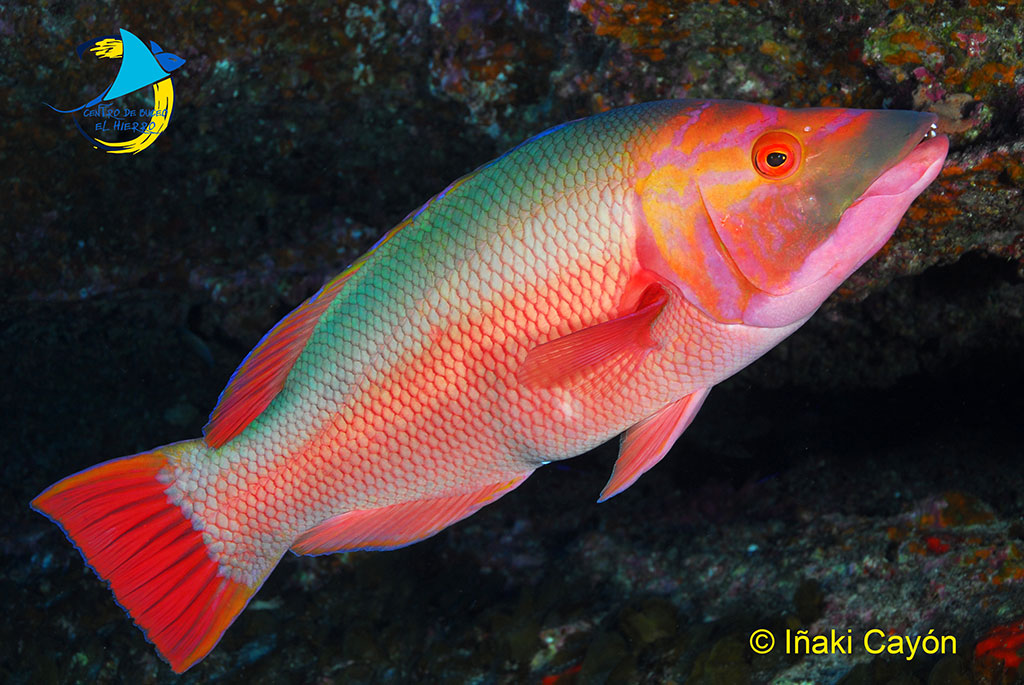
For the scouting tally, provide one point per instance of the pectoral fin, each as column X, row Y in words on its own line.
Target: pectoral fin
column 584, row 359
column 647, row 442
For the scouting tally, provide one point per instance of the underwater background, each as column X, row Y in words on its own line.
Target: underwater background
column 866, row 474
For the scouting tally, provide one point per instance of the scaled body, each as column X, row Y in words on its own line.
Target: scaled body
column 598, row 278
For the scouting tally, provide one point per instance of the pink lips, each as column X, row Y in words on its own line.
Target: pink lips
column 876, row 214
column 863, row 229
column 872, row 218
column 910, row 170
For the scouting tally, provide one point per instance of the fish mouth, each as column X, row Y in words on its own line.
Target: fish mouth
column 871, row 219
column 910, row 168
column 863, row 228
column 869, row 222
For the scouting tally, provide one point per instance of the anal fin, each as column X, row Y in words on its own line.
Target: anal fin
column 397, row 525
column 647, row 442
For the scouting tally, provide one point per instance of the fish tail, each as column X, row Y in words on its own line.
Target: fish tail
column 94, row 101
column 134, row 537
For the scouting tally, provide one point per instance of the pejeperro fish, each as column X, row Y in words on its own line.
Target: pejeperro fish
column 600, row 277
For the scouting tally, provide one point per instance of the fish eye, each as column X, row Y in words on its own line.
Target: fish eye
column 776, row 155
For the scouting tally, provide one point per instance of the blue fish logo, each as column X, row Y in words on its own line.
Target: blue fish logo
column 141, row 66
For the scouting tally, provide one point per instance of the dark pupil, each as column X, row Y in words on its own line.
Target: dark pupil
column 775, row 159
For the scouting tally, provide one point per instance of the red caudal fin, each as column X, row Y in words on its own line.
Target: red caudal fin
column 119, row 517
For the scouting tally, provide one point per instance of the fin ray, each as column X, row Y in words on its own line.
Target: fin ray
column 156, row 563
column 572, row 359
column 261, row 375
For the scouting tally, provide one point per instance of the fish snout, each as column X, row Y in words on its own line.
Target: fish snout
column 892, row 134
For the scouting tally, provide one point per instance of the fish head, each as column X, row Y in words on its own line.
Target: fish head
column 168, row 61
column 760, row 212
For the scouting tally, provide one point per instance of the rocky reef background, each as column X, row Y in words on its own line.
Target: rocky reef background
column 866, row 474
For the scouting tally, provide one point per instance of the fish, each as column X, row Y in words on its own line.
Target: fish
column 597, row 279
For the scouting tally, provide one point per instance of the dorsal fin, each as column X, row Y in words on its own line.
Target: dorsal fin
column 261, row 375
